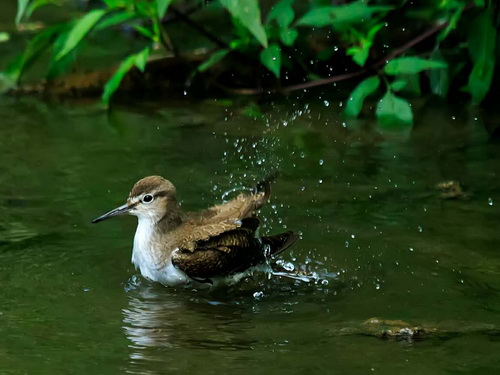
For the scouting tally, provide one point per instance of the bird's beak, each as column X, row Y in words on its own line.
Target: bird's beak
column 117, row 211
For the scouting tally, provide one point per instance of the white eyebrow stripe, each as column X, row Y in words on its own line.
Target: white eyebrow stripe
column 135, row 200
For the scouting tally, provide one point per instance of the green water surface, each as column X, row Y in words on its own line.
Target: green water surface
column 375, row 233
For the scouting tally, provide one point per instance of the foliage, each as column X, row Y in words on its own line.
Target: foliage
column 279, row 38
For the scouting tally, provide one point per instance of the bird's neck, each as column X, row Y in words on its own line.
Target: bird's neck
column 151, row 242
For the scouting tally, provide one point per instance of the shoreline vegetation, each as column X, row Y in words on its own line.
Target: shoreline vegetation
column 389, row 51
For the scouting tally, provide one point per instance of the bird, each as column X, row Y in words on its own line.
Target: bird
column 209, row 248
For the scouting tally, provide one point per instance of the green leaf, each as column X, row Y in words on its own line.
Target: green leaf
column 359, row 54
column 142, row 59
column 288, row 36
column 439, row 79
column 317, row 17
column 340, row 16
column 481, row 41
column 359, row 94
column 213, row 59
column 81, row 28
column 271, row 58
column 411, row 65
column 4, row 37
column 35, row 48
column 22, row 5
column 248, row 13
column 6, row 83
column 398, row 84
column 115, row 80
column 393, row 110
column 114, row 19
column 283, row 13
column 35, row 4
column 146, row 32
column 57, row 67
column 111, row 4
column 452, row 23
column 162, row 6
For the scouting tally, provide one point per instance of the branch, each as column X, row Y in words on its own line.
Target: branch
column 342, row 77
column 207, row 34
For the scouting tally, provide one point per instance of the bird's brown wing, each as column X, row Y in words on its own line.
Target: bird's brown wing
column 241, row 207
column 223, row 255
column 192, row 233
column 201, row 226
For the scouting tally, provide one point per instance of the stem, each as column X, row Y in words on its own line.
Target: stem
column 207, row 34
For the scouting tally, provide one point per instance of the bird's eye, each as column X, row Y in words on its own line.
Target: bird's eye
column 148, row 198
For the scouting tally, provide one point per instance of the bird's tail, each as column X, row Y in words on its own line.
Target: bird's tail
column 264, row 186
column 280, row 242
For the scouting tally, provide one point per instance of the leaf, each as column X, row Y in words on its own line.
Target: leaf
column 35, row 48
column 4, row 37
column 114, row 19
column 288, row 36
column 162, row 6
column 145, row 31
column 6, row 83
column 399, row 84
column 452, row 23
column 359, row 54
column 271, row 58
column 359, row 94
column 81, row 28
column 317, row 17
column 57, row 67
column 481, row 41
column 393, row 110
column 439, row 79
column 22, row 5
column 35, row 4
column 213, row 59
column 248, row 13
column 340, row 16
column 412, row 65
column 142, row 59
column 113, row 83
column 283, row 13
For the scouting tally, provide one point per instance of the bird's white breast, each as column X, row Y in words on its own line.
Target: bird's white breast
column 144, row 257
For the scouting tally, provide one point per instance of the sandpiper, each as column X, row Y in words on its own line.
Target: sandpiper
column 217, row 246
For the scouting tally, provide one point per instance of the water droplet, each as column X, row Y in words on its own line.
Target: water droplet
column 321, row 161
column 490, row 201
column 326, row 103
column 420, row 229
column 258, row 295
column 288, row 266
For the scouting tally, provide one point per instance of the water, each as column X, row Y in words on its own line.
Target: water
column 375, row 233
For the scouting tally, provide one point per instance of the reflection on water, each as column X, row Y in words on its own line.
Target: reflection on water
column 161, row 317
